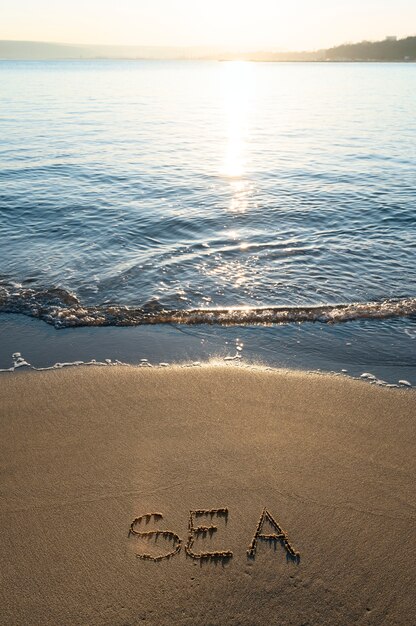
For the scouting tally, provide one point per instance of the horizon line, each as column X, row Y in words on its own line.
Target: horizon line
column 212, row 48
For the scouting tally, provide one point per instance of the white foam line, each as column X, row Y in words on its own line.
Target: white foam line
column 231, row 361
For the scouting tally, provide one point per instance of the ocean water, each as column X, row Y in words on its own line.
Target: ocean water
column 236, row 198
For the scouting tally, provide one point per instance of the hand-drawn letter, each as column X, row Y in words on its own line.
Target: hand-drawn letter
column 168, row 535
column 195, row 531
column 279, row 535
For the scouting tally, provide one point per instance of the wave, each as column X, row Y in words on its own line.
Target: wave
column 62, row 309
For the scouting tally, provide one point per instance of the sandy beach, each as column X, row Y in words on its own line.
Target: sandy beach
column 138, row 495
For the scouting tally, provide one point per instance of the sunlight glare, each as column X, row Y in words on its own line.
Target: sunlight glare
column 237, row 79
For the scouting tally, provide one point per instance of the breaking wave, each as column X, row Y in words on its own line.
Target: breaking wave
column 62, row 309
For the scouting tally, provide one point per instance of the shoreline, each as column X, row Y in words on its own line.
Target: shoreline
column 89, row 453
column 383, row 349
column 21, row 366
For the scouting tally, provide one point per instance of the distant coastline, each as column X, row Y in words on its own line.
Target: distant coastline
column 387, row 50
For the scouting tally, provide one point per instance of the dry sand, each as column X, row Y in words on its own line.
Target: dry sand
column 85, row 451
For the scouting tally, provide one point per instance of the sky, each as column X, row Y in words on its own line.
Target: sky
column 235, row 24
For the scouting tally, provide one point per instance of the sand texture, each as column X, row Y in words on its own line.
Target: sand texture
column 87, row 454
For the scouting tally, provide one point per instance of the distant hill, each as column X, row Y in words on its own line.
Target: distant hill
column 316, row 55
column 33, row 50
column 36, row 51
column 387, row 50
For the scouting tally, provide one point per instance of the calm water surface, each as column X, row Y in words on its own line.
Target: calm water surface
column 178, row 185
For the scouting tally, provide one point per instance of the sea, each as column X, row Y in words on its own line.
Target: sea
column 159, row 212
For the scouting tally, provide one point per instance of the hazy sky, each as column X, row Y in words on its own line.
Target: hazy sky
column 248, row 24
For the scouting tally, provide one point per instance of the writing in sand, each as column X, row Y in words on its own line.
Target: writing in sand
column 198, row 530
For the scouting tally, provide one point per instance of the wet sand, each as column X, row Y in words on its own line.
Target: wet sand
column 87, row 454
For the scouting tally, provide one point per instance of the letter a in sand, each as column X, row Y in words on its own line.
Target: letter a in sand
column 278, row 535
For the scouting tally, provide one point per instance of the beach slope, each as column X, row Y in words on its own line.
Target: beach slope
column 102, row 466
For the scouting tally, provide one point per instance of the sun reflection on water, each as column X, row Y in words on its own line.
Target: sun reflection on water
column 238, row 91
column 240, row 190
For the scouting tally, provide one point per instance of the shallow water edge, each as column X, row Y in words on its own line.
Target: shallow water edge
column 382, row 351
